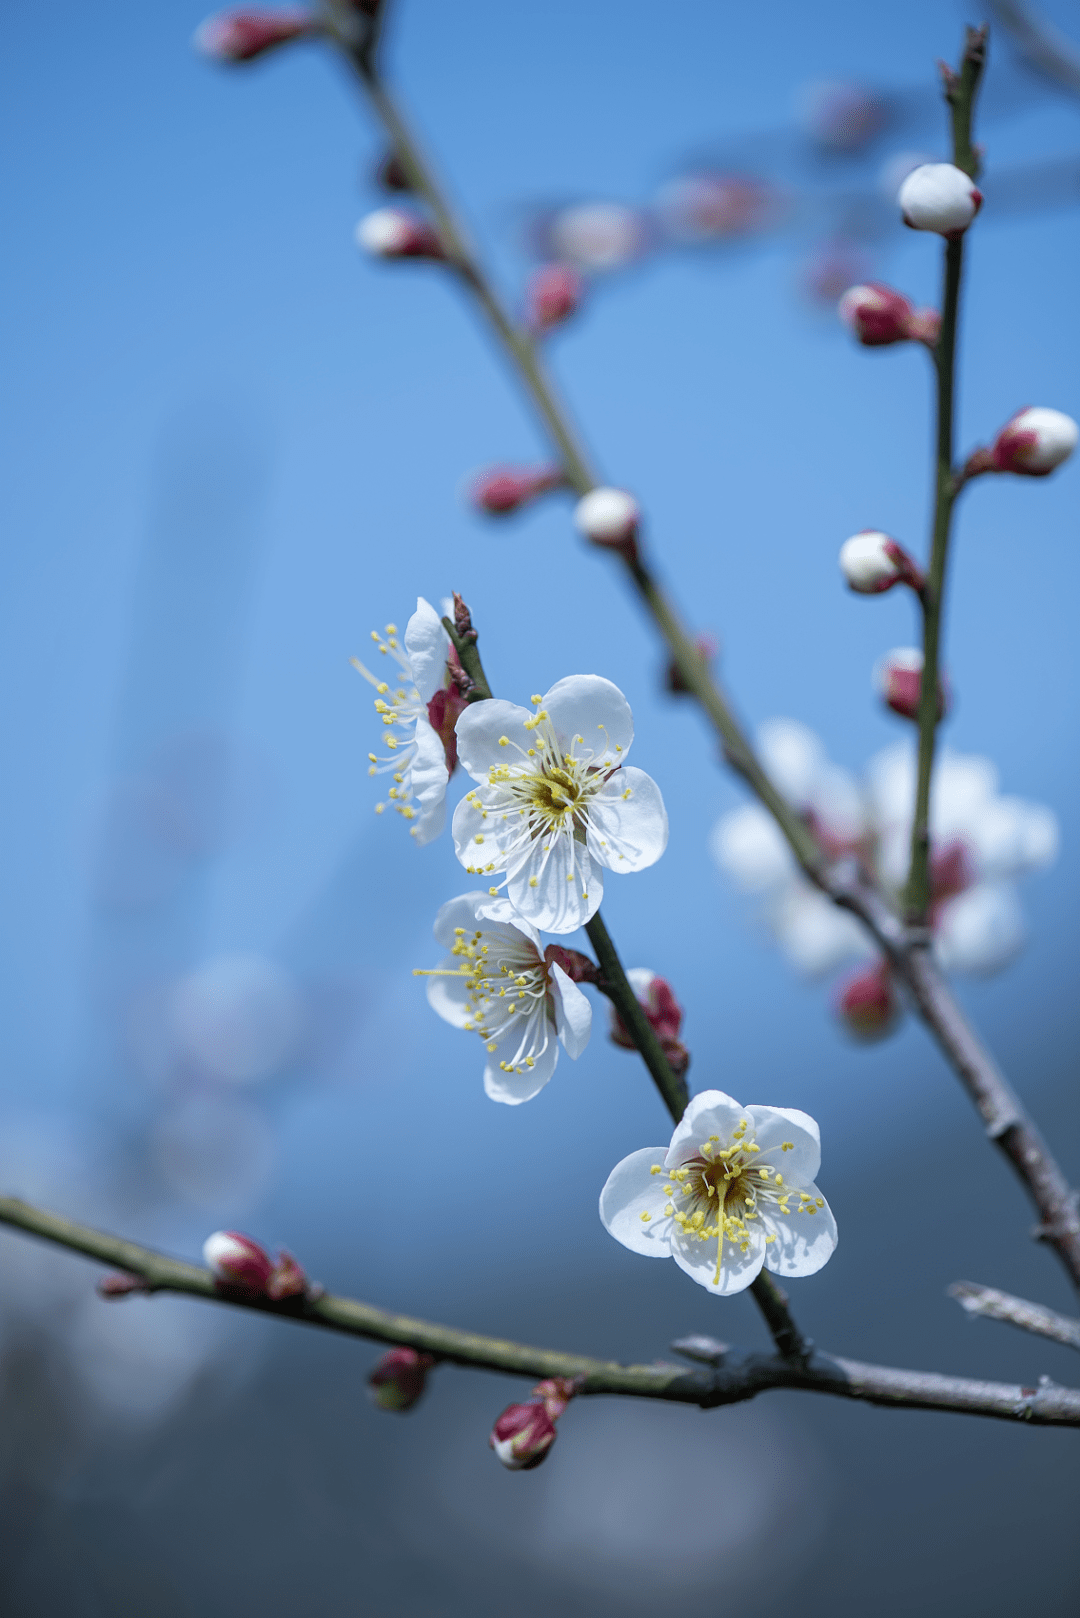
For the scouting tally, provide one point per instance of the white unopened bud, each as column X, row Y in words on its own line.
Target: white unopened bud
column 394, row 233
column 608, row 517
column 941, row 197
column 872, row 562
column 236, row 1260
column 1035, row 441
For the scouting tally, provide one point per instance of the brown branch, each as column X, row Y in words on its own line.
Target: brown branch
column 1033, row 1317
column 729, row 1376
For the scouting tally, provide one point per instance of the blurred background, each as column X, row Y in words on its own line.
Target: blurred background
column 234, row 447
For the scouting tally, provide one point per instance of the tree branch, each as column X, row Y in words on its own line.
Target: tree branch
column 1033, row 1317
column 616, row 986
column 731, row 1376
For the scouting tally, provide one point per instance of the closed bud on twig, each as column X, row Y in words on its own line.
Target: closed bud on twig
column 503, row 489
column 609, row 517
column 877, row 315
column 240, row 36
column 399, row 1379
column 444, row 711
column 121, row 1285
column 1034, row 442
column 939, row 197
column 867, row 1003
column 657, row 999
column 395, row 233
column 578, row 967
column 871, row 562
column 553, row 294
column 708, row 646
column 898, row 680
column 237, row 1261
column 524, row 1433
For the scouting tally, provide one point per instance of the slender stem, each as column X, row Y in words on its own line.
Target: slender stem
column 616, row 986
column 469, row 658
column 738, row 1376
column 1033, row 1317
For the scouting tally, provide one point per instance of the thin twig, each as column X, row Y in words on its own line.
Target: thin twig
column 1033, row 1317
column 616, row 985
column 738, row 1376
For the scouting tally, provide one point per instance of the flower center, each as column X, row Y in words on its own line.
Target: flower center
column 508, row 993
column 397, row 714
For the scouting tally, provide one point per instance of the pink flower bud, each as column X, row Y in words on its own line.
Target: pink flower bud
column 503, row 489
column 287, row 1279
column 939, row 197
column 237, row 1261
column 898, row 679
column 523, row 1435
column 872, row 562
column 867, row 1002
column 609, row 517
column 394, row 233
column 875, row 314
column 240, row 36
column 399, row 1379
column 952, row 871
column 1034, row 442
column 121, row 1285
column 656, row 998
column 554, row 294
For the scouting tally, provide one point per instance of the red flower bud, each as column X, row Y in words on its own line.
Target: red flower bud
column 876, row 314
column 523, row 1435
column 1033, row 443
column 240, row 36
column 121, row 1285
column 237, row 1261
column 394, row 233
column 578, row 967
column 867, row 1002
column 399, row 1379
column 952, row 871
column 655, row 996
column 898, row 678
column 554, row 293
column 503, row 489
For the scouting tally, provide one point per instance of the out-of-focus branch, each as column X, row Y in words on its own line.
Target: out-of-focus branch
column 1033, row 1317
column 727, row 1378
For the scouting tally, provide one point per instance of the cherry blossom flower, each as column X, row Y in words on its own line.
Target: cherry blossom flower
column 733, row 1191
column 555, row 802
column 411, row 707
column 497, row 982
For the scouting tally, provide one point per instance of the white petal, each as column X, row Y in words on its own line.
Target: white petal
column 496, row 835
column 568, row 887
column 1011, row 837
column 981, row 930
column 709, row 1113
column 573, row 1013
column 804, row 1242
column 698, row 1259
column 479, row 729
column 631, row 1190
column 628, row 824
column 468, row 910
column 814, row 934
column 773, row 1126
column 428, row 780
column 448, row 993
column 591, row 707
column 513, row 1088
column 427, row 646
column 791, row 755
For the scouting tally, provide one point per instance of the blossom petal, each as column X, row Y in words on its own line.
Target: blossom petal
column 471, row 911
column 804, row 1242
column 628, row 824
column 776, row 1126
column 479, row 729
column 448, row 992
column 428, row 780
column 709, row 1113
column 698, row 1259
column 513, row 1088
column 632, row 1190
column 482, row 841
column 590, row 707
column 426, row 645
column 573, row 1013
column 556, row 887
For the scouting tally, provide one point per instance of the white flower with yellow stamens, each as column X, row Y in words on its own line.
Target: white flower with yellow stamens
column 555, row 802
column 497, row 983
column 417, row 760
column 734, row 1191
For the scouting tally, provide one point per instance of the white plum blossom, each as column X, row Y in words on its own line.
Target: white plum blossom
column 734, row 1191
column 555, row 803
column 497, row 983
column 417, row 758
column 939, row 197
column 982, row 844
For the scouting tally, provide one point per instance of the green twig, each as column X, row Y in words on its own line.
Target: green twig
column 616, row 985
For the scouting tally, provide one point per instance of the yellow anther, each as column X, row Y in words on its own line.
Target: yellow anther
column 373, row 757
column 504, row 741
column 379, row 807
column 382, row 688
column 627, row 793
column 478, row 838
column 493, row 892
column 646, row 1216
column 491, row 1047
column 656, row 1169
column 819, row 1202
column 536, row 701
column 668, row 1209
column 532, row 882
column 788, row 1146
column 391, row 629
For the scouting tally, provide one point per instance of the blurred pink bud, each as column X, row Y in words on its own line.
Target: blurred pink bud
column 877, row 315
column 708, row 646
column 939, row 197
column 444, row 710
column 523, row 1435
column 240, row 36
column 872, row 562
column 287, row 1279
column 898, row 679
column 503, row 489
column 657, row 1000
column 1034, row 442
column 399, row 1379
column 121, row 1285
column 609, row 517
column 952, row 871
column 391, row 175
column 395, row 233
column 237, row 1261
column 554, row 293
column 867, row 1003
column 843, row 117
